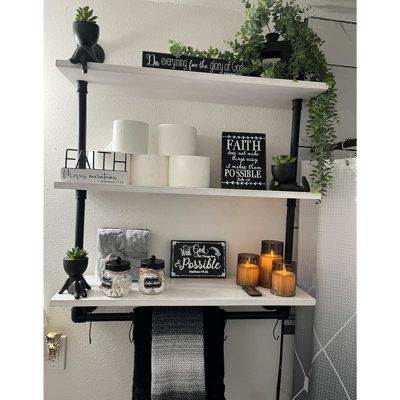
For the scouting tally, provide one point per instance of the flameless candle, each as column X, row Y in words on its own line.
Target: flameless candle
column 283, row 278
column 248, row 270
column 271, row 250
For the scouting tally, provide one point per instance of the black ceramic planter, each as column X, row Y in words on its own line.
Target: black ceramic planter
column 284, row 178
column 272, row 37
column 76, row 283
column 86, row 33
column 75, row 268
column 284, row 173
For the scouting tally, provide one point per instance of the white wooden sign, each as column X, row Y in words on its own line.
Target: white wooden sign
column 94, row 176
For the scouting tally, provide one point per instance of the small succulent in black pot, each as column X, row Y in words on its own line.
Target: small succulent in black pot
column 284, row 175
column 86, row 32
column 85, row 27
column 75, row 263
column 284, row 170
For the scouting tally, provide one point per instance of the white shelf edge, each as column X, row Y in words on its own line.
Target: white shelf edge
column 185, row 292
column 191, row 86
column 272, row 194
column 201, row 76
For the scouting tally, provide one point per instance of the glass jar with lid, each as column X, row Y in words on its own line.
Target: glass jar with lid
column 152, row 276
column 117, row 279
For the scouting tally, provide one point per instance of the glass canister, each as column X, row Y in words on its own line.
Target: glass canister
column 117, row 279
column 271, row 250
column 283, row 278
column 152, row 276
column 248, row 269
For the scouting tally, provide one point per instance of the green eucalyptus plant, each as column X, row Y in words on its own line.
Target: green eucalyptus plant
column 84, row 14
column 307, row 63
column 76, row 253
column 284, row 159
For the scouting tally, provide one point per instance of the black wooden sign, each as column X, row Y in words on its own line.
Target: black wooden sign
column 194, row 64
column 198, row 259
column 243, row 161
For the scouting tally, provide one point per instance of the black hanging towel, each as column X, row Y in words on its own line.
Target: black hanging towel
column 174, row 339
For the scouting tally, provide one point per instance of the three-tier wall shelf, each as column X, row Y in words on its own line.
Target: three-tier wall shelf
column 199, row 87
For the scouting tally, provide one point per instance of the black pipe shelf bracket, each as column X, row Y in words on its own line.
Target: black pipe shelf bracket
column 86, row 314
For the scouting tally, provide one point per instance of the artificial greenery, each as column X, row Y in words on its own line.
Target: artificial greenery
column 84, row 14
column 76, row 253
column 307, row 62
column 284, row 159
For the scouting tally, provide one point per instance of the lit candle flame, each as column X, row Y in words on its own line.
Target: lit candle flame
column 284, row 269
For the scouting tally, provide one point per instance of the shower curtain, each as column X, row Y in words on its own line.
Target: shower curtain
column 325, row 339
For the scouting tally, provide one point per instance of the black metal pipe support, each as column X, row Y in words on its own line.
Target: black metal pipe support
column 85, row 314
column 81, row 194
column 294, row 152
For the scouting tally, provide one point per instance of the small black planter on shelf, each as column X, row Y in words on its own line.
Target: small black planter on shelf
column 86, row 35
column 76, row 283
column 272, row 37
column 284, row 177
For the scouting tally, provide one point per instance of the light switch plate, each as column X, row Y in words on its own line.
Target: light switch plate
column 58, row 361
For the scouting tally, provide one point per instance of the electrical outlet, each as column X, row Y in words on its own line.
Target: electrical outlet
column 58, row 361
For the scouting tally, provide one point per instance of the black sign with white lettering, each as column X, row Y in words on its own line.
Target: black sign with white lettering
column 198, row 259
column 243, row 161
column 194, row 64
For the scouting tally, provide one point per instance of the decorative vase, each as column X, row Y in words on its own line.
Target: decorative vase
column 284, row 173
column 76, row 283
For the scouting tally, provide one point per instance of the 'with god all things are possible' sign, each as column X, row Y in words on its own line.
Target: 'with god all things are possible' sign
column 243, row 161
column 198, row 259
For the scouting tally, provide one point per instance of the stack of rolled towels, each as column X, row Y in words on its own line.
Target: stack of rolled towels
column 176, row 164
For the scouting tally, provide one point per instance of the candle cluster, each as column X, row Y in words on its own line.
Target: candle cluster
column 269, row 271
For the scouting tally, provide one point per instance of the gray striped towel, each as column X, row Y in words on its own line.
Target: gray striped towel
column 177, row 354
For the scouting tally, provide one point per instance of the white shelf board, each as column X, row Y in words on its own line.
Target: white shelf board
column 191, row 86
column 184, row 292
column 273, row 194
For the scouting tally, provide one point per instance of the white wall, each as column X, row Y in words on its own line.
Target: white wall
column 103, row 370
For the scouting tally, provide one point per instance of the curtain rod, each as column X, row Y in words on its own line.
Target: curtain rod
column 334, row 20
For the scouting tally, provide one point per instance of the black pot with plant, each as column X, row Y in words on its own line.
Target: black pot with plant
column 86, row 32
column 75, row 263
column 284, row 175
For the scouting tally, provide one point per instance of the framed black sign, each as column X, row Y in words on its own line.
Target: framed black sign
column 198, row 259
column 151, row 59
column 243, row 161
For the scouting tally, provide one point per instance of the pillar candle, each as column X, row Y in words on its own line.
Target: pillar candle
column 130, row 136
column 189, row 171
column 283, row 282
column 266, row 268
column 176, row 140
column 149, row 170
column 248, row 269
column 271, row 250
